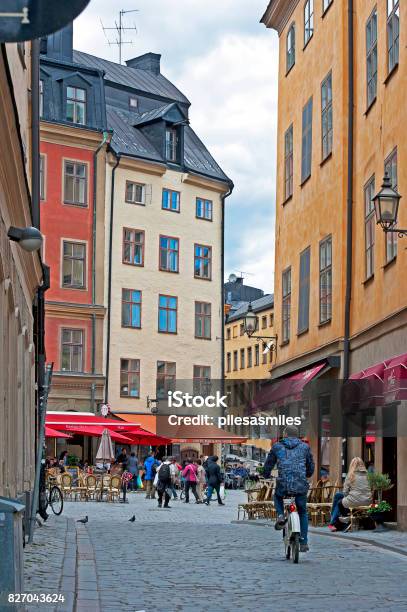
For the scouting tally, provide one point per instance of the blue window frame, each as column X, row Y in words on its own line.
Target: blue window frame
column 167, row 314
column 204, row 209
column 171, row 200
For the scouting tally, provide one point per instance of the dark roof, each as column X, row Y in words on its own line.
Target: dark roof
column 135, row 78
column 263, row 303
column 154, row 114
column 128, row 140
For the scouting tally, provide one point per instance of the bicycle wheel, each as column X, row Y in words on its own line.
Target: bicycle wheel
column 56, row 500
column 295, row 545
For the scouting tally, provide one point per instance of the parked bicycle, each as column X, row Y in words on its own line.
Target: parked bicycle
column 53, row 497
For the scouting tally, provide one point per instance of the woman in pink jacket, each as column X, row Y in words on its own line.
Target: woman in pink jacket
column 190, row 476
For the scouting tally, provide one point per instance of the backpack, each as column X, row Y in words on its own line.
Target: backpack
column 164, row 473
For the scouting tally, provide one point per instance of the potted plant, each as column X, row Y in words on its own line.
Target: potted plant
column 379, row 508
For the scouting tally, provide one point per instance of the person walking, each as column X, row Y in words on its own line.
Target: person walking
column 150, row 467
column 214, row 478
column 190, row 475
column 295, row 465
column 175, row 469
column 201, row 478
column 165, row 478
column 133, row 469
column 356, row 492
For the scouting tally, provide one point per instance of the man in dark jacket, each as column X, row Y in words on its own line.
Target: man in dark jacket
column 214, row 479
column 295, row 465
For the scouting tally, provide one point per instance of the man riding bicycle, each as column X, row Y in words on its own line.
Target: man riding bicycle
column 295, row 465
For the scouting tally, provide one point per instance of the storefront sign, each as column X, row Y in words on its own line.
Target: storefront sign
column 28, row 19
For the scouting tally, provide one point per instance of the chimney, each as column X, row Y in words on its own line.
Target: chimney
column 150, row 62
column 59, row 45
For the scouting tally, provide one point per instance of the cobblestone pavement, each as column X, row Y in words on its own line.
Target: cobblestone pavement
column 193, row 558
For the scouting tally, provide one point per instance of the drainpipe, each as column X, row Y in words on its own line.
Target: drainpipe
column 349, row 213
column 222, row 288
column 109, row 288
column 95, row 155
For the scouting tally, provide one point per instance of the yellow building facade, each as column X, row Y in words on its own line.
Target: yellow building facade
column 248, row 360
column 340, row 291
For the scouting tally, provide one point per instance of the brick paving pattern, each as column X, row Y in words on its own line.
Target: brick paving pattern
column 193, row 558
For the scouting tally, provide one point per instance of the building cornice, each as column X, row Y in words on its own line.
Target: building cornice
column 131, row 163
column 74, row 311
column 384, row 327
column 61, row 134
column 205, row 182
column 278, row 14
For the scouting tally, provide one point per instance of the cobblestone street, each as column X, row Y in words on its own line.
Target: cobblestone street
column 194, row 558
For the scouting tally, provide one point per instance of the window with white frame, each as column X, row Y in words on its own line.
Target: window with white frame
column 76, row 105
column 288, row 162
column 326, row 116
column 204, row 209
column 290, row 50
column 135, row 193
column 371, row 58
column 72, row 350
column 325, row 280
column 370, row 225
column 393, row 32
column 308, row 20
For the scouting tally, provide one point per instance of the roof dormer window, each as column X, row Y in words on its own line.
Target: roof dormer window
column 171, row 144
column 76, row 105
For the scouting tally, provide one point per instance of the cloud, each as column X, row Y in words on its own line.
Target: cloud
column 226, row 63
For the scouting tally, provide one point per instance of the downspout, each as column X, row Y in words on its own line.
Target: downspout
column 222, row 288
column 349, row 222
column 95, row 163
column 109, row 288
column 349, row 203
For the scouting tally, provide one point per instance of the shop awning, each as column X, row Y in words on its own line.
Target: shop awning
column 205, row 434
column 93, row 425
column 365, row 388
column 96, row 431
column 285, row 390
column 53, row 433
column 87, row 418
column 395, row 379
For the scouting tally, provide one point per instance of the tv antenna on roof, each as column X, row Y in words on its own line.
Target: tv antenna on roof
column 120, row 30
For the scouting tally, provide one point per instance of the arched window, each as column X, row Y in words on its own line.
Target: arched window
column 291, row 47
column 308, row 20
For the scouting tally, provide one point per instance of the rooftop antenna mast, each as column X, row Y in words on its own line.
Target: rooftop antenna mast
column 120, row 30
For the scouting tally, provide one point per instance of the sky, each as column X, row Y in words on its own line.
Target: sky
column 219, row 55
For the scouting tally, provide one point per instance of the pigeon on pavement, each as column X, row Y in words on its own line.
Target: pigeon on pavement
column 84, row 521
column 132, row 519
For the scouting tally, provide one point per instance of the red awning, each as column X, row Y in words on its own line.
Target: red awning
column 93, row 425
column 53, row 433
column 205, row 434
column 286, row 390
column 95, row 431
column 395, row 379
column 367, row 386
column 80, row 418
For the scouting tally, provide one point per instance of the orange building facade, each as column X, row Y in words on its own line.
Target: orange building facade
column 340, row 290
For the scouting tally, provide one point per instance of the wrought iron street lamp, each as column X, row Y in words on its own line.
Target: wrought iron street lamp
column 251, row 326
column 386, row 204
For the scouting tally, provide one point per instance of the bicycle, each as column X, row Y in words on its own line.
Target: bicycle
column 291, row 530
column 53, row 497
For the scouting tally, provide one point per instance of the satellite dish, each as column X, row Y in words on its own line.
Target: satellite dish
column 232, row 278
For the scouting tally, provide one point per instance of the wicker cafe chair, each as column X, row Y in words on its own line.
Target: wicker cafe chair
column 66, row 485
column 105, row 486
column 91, row 487
column 115, row 488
